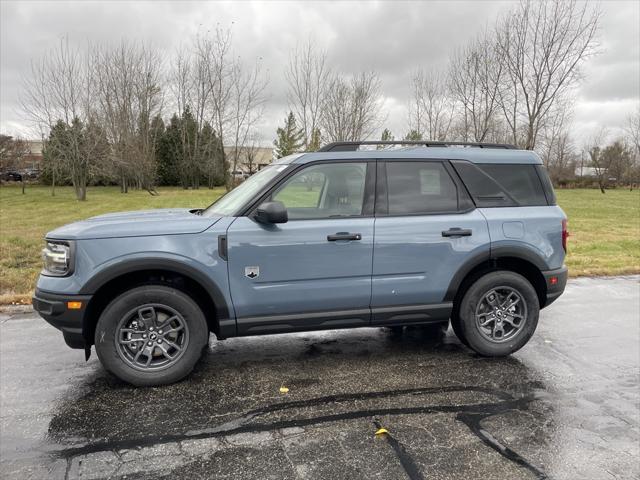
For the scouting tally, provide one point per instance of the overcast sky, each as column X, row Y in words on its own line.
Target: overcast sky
column 392, row 38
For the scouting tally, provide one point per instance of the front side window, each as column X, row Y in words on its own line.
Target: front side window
column 234, row 200
column 420, row 188
column 324, row 191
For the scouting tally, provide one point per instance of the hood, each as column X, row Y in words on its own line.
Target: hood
column 168, row 221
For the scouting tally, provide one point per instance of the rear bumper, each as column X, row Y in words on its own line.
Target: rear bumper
column 556, row 281
column 53, row 308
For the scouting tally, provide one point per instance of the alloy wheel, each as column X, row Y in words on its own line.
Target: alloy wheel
column 501, row 314
column 152, row 337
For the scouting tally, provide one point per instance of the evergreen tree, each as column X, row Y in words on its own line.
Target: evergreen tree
column 290, row 138
column 386, row 136
column 413, row 136
column 315, row 141
column 168, row 153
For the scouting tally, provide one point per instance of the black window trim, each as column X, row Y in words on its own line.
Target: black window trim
column 382, row 193
column 368, row 200
column 547, row 186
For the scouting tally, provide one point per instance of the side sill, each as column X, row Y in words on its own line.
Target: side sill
column 410, row 314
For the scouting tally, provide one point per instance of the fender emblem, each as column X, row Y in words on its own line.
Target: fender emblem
column 252, row 272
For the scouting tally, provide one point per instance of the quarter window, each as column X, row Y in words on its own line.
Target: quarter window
column 521, row 181
column 420, row 188
column 324, row 191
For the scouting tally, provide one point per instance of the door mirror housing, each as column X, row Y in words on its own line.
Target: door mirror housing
column 271, row 212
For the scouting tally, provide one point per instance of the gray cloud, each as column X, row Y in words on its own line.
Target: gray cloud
column 392, row 38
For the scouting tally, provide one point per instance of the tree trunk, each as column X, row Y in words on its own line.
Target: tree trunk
column 81, row 190
column 53, row 183
column 22, row 184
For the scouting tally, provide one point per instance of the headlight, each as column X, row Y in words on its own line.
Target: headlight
column 56, row 257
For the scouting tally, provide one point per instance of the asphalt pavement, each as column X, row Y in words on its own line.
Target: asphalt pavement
column 566, row 406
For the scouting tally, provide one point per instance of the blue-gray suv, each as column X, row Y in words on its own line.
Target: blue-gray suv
column 349, row 236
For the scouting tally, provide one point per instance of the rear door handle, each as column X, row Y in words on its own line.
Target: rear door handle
column 457, row 232
column 344, row 236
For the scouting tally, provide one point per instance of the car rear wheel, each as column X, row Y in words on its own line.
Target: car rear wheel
column 151, row 335
column 498, row 314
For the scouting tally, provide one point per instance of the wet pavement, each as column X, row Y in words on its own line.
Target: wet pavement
column 566, row 406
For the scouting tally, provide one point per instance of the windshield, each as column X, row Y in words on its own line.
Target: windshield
column 231, row 202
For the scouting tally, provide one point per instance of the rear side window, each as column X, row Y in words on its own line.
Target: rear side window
column 502, row 185
column 521, row 181
column 420, row 188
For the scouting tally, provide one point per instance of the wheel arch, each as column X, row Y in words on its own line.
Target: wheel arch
column 113, row 281
column 512, row 260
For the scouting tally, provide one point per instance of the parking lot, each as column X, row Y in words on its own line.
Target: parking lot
column 564, row 407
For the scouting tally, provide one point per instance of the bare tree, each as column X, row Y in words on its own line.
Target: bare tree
column 632, row 130
column 352, row 108
column 556, row 146
column 193, row 91
column 475, row 75
column 60, row 89
column 431, row 108
column 593, row 148
column 219, row 99
column 307, row 75
column 128, row 82
column 220, row 77
column 246, row 108
column 544, row 45
column 251, row 153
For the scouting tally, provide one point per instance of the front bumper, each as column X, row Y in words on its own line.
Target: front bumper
column 53, row 308
column 556, row 281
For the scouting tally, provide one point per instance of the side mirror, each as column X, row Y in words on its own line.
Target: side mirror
column 272, row 212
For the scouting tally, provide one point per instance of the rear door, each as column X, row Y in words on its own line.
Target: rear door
column 315, row 270
column 426, row 228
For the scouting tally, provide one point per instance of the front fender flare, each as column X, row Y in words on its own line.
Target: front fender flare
column 224, row 317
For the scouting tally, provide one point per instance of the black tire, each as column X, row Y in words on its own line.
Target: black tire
column 455, row 325
column 187, row 335
column 486, row 340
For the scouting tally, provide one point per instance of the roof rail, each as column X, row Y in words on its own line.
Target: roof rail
column 353, row 146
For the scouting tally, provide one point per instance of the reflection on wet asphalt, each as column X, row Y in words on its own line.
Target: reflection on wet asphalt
column 566, row 406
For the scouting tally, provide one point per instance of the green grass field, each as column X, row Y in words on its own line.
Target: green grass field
column 605, row 229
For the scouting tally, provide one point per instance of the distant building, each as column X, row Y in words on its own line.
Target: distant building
column 586, row 171
column 33, row 159
column 251, row 159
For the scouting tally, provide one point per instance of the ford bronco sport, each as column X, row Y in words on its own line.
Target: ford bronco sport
column 344, row 237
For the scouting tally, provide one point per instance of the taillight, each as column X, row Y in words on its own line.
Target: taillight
column 565, row 235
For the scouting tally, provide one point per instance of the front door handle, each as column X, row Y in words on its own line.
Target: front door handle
column 344, row 236
column 457, row 232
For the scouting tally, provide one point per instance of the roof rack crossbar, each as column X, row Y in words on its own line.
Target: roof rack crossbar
column 353, row 146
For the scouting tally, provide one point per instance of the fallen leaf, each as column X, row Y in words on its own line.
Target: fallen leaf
column 381, row 431
column 284, row 389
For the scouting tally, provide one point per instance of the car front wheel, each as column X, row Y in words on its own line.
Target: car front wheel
column 498, row 314
column 151, row 335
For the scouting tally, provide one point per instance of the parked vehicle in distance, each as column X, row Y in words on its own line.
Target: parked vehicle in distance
column 340, row 238
column 31, row 173
column 12, row 176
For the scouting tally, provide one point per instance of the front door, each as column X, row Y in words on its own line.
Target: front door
column 315, row 270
